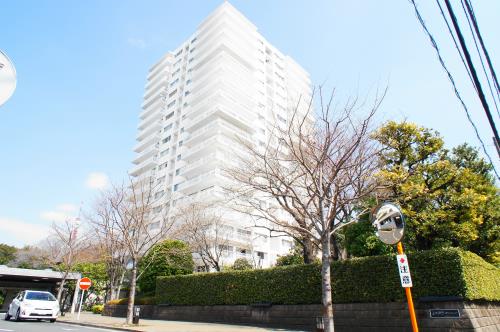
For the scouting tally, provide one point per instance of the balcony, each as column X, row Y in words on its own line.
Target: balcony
column 199, row 182
column 145, row 166
column 150, row 140
column 151, row 129
column 151, row 100
column 147, row 153
column 153, row 117
column 149, row 110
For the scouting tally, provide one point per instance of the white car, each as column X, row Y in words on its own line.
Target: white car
column 30, row 304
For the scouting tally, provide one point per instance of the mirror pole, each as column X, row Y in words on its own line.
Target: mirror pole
column 409, row 298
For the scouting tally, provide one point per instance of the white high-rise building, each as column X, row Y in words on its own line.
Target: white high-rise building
column 223, row 84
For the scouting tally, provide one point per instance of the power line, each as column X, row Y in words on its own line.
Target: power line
column 472, row 16
column 455, row 42
column 455, row 89
column 482, row 98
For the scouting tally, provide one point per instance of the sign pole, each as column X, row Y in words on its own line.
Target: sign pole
column 80, row 306
column 409, row 298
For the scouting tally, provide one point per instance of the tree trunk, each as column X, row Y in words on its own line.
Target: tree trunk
column 119, row 287
column 61, row 287
column 131, row 296
column 308, row 251
column 337, row 250
column 326, row 285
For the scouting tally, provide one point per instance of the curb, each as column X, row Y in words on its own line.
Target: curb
column 100, row 326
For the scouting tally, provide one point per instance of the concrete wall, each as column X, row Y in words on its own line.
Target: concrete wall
column 356, row 317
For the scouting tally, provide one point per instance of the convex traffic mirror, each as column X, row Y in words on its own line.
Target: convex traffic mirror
column 388, row 222
column 7, row 78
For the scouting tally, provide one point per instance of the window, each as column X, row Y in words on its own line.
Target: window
column 174, row 82
column 178, row 53
column 166, row 139
column 176, row 186
column 242, row 251
column 188, row 82
column 164, row 152
column 182, row 130
column 164, row 165
column 260, row 254
column 177, row 171
column 172, row 104
column 191, row 51
column 172, row 93
column 194, row 39
column 186, row 93
column 40, row 296
column 169, row 116
column 180, row 143
column 159, row 194
column 167, row 128
column 178, row 157
column 161, row 180
column 191, row 60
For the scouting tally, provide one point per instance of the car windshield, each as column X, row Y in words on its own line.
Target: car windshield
column 40, row 296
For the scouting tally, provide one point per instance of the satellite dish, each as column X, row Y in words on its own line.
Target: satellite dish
column 388, row 222
column 7, row 78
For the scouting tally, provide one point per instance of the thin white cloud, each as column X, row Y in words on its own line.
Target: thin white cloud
column 67, row 207
column 137, row 43
column 61, row 213
column 97, row 180
column 20, row 233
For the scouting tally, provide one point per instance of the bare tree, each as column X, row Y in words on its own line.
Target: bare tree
column 111, row 247
column 309, row 177
column 205, row 231
column 63, row 247
column 138, row 226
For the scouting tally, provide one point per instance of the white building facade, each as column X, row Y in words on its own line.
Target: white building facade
column 223, row 84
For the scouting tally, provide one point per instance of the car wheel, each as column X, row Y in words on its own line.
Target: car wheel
column 17, row 317
column 7, row 316
column 52, row 320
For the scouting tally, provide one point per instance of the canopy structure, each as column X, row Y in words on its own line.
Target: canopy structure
column 14, row 280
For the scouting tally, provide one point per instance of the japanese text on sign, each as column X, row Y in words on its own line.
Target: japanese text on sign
column 404, row 271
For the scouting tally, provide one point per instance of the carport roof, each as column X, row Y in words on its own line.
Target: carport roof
column 16, row 273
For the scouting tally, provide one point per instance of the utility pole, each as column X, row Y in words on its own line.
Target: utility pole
column 475, row 78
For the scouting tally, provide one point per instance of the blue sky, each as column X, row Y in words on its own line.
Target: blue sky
column 70, row 125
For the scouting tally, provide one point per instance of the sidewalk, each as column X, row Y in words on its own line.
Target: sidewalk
column 150, row 325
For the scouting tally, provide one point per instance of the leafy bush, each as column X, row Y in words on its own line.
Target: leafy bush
column 445, row 272
column 242, row 264
column 170, row 257
column 290, row 259
column 97, row 308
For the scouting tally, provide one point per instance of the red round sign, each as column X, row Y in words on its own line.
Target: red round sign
column 84, row 283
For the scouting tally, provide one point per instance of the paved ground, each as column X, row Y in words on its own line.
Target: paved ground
column 35, row 326
column 149, row 325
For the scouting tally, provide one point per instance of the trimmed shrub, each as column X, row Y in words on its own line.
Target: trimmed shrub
column 97, row 308
column 445, row 272
column 242, row 264
column 290, row 259
column 170, row 257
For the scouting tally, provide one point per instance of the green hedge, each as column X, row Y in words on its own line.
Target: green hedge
column 443, row 272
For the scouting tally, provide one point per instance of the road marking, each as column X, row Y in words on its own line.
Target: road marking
column 6, row 330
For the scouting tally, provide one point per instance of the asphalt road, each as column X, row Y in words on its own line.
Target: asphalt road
column 43, row 326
